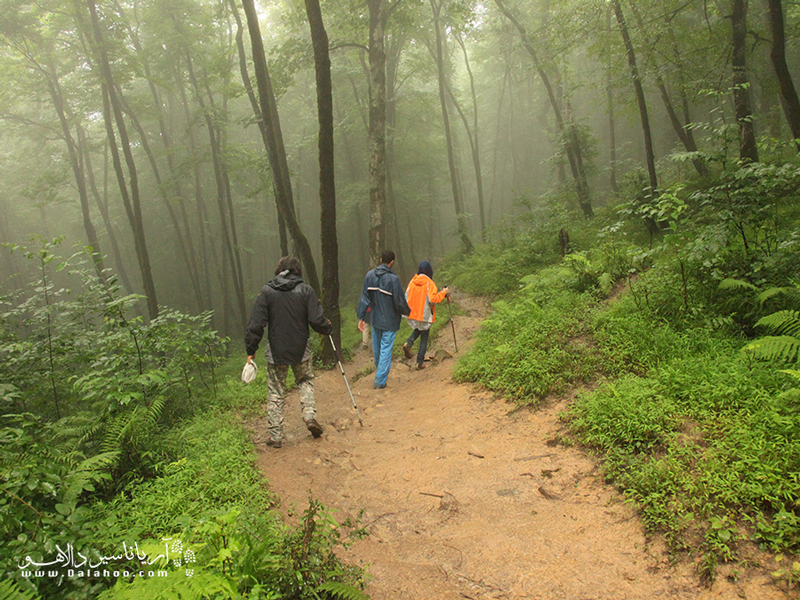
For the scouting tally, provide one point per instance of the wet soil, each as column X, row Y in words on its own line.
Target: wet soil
column 465, row 497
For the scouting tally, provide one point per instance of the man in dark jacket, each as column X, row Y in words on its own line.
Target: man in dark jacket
column 289, row 306
column 384, row 298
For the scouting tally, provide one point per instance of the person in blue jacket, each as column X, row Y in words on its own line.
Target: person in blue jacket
column 383, row 300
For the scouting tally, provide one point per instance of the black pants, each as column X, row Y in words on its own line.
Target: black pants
column 423, row 343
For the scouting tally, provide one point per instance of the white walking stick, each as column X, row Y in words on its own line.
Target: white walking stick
column 330, row 337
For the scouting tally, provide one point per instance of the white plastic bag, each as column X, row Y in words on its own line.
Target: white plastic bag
column 249, row 372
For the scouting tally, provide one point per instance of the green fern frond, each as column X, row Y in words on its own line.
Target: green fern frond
column 342, row 591
column 736, row 284
column 793, row 372
column 9, row 590
column 154, row 412
column 792, row 293
column 783, row 322
column 783, row 348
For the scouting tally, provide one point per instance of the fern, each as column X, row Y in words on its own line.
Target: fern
column 9, row 590
column 736, row 284
column 177, row 586
column 783, row 322
column 784, row 348
column 342, row 591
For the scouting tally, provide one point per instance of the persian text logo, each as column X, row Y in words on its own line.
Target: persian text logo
column 131, row 562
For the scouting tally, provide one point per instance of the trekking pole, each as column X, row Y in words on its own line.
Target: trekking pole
column 450, row 313
column 336, row 352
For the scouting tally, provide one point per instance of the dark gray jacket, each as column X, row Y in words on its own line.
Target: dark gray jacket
column 385, row 298
column 289, row 306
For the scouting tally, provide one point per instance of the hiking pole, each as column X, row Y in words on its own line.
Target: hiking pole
column 360, row 422
column 450, row 313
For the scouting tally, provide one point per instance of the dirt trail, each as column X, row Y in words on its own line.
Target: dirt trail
column 465, row 498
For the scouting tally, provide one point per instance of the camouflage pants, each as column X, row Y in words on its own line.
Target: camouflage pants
column 276, row 384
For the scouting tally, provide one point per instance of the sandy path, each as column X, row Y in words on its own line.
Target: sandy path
column 464, row 498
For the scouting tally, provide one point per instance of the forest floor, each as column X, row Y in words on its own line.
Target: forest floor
column 465, row 497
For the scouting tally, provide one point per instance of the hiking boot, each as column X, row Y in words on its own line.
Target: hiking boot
column 314, row 427
column 274, row 443
column 420, row 366
column 407, row 351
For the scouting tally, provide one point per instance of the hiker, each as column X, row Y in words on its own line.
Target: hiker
column 421, row 295
column 382, row 295
column 289, row 306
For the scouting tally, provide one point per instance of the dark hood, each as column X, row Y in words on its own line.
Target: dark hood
column 382, row 270
column 425, row 268
column 285, row 282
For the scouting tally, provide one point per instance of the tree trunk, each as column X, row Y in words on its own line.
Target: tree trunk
column 327, row 188
column 748, row 152
column 132, row 203
column 80, row 180
column 392, row 63
column 220, row 177
column 275, row 147
column 572, row 149
column 377, row 130
column 262, row 127
column 102, row 205
column 179, row 236
column 475, row 147
column 789, row 99
column 640, row 99
column 677, row 126
column 448, row 135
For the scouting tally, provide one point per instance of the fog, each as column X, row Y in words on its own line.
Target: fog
column 128, row 126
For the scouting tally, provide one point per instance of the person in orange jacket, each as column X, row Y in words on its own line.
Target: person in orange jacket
column 422, row 295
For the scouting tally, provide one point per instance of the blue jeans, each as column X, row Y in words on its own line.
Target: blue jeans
column 382, row 342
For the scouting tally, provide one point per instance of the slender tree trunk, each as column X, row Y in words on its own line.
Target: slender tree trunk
column 102, row 205
column 377, row 130
column 220, row 179
column 677, row 126
column 327, row 188
column 436, row 8
column 392, row 63
column 132, row 203
column 572, row 149
column 74, row 158
column 185, row 242
column 640, row 99
column 475, row 147
column 789, row 99
column 748, row 152
column 275, row 147
column 262, row 127
column 179, row 236
column 200, row 212
column 612, row 137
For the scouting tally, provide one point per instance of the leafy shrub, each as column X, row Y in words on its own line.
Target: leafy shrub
column 544, row 347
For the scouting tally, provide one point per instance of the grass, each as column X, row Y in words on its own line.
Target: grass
column 706, row 442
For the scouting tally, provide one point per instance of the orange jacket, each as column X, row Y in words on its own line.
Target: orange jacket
column 421, row 295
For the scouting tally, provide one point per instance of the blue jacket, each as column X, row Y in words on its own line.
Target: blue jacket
column 385, row 298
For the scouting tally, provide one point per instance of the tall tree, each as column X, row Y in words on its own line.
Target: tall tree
column 748, row 151
column 436, row 8
column 789, row 99
column 568, row 131
column 112, row 109
column 275, row 148
column 327, row 187
column 681, row 129
column 640, row 98
column 377, row 129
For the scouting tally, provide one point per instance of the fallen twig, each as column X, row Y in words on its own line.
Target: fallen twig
column 434, row 495
column 534, row 457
